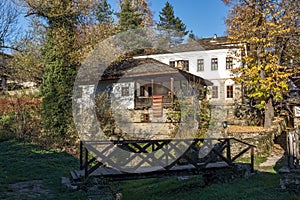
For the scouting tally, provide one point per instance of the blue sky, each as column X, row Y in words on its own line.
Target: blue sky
column 204, row 17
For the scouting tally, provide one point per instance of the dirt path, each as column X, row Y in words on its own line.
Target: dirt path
column 28, row 190
column 276, row 154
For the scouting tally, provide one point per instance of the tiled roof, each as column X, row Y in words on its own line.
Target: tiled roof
column 203, row 44
column 144, row 67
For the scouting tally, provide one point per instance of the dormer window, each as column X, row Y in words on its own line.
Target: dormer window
column 172, row 63
column 183, row 65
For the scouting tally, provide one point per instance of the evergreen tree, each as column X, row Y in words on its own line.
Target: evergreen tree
column 172, row 27
column 59, row 76
column 61, row 59
column 104, row 13
column 142, row 7
column 192, row 36
column 129, row 18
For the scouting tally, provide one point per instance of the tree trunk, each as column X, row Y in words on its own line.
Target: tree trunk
column 269, row 114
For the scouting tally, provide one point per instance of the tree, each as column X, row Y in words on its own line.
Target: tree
column 9, row 28
column 143, row 9
column 9, row 31
column 27, row 62
column 129, row 18
column 174, row 29
column 268, row 29
column 104, row 13
column 60, row 55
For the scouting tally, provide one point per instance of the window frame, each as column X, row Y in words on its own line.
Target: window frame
column 172, row 63
column 186, row 65
column 145, row 117
column 200, row 65
column 125, row 91
column 229, row 62
column 229, row 92
column 214, row 64
column 215, row 93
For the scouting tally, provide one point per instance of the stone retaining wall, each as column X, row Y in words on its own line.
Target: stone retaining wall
column 290, row 179
column 264, row 140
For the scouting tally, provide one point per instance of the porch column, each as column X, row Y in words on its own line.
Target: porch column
column 152, row 86
column 172, row 90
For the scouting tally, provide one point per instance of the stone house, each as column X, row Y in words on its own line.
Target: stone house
column 212, row 59
column 142, row 93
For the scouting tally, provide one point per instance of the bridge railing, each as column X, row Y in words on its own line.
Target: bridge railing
column 134, row 155
column 293, row 149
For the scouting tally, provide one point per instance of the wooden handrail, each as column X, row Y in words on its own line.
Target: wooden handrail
column 167, row 147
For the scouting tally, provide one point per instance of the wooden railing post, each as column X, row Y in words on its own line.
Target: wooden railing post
column 228, row 150
column 81, row 155
column 86, row 163
column 297, row 157
column 167, row 155
column 252, row 159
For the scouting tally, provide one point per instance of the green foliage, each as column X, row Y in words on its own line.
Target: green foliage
column 263, row 186
column 104, row 13
column 266, row 29
column 21, row 120
column 60, row 56
column 27, row 63
column 7, row 127
column 171, row 27
column 204, row 118
column 104, row 114
column 141, row 8
column 129, row 18
column 182, row 111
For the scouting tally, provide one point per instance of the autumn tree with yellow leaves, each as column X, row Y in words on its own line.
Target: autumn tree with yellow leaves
column 268, row 30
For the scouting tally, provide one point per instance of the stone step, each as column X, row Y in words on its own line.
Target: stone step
column 74, row 175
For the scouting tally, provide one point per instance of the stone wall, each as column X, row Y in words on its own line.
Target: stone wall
column 262, row 140
column 296, row 122
column 290, row 179
column 226, row 175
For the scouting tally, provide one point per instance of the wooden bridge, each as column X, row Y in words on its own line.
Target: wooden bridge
column 158, row 158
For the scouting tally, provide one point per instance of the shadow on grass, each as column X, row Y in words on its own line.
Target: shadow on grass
column 30, row 172
column 263, row 185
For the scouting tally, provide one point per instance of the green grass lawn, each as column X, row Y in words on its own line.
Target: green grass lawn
column 30, row 172
column 260, row 186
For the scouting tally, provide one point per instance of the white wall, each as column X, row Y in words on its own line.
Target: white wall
column 193, row 56
column 214, row 76
column 123, row 102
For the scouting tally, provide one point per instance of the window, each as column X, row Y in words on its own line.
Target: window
column 142, row 91
column 229, row 91
column 185, row 64
column 200, row 65
column 125, row 91
column 229, row 62
column 214, row 64
column 214, row 92
column 149, row 91
column 145, row 118
column 172, row 63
